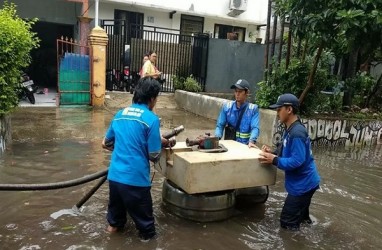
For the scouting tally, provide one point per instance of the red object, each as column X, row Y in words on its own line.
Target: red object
column 126, row 71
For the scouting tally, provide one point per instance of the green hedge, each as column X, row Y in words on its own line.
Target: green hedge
column 16, row 42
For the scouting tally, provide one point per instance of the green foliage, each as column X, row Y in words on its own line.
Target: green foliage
column 362, row 82
column 178, row 82
column 293, row 80
column 187, row 84
column 349, row 28
column 191, row 85
column 341, row 25
column 16, row 42
column 360, row 86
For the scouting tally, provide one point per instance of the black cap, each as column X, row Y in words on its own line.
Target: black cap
column 286, row 100
column 241, row 84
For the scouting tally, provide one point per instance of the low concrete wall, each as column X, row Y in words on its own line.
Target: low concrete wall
column 209, row 107
column 336, row 132
column 116, row 99
column 323, row 132
column 5, row 132
column 203, row 105
column 229, row 96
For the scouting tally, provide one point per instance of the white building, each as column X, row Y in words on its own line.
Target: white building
column 242, row 20
column 215, row 17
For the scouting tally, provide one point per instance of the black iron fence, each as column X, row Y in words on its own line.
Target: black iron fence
column 178, row 55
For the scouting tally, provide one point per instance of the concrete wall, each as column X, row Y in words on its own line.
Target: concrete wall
column 229, row 61
column 323, row 132
column 5, row 132
column 203, row 105
column 115, row 100
column 209, row 107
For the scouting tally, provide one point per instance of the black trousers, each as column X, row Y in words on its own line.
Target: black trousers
column 137, row 202
column 296, row 210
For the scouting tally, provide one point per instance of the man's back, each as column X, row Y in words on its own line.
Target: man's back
column 136, row 133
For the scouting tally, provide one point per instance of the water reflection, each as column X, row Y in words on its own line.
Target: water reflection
column 62, row 144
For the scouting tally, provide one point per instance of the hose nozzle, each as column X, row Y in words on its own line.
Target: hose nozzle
column 174, row 132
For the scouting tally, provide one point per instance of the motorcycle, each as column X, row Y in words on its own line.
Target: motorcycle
column 114, row 81
column 28, row 88
column 134, row 78
column 128, row 79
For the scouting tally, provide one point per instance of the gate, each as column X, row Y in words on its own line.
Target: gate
column 178, row 55
column 73, row 67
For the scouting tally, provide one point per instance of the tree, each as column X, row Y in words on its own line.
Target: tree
column 342, row 26
column 16, row 42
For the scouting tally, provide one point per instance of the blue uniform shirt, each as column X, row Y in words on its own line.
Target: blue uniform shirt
column 297, row 161
column 135, row 131
column 249, row 125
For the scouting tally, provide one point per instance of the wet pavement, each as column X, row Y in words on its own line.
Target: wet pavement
column 51, row 145
column 42, row 99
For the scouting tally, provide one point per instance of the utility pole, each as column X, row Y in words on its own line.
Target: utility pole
column 96, row 13
column 267, row 35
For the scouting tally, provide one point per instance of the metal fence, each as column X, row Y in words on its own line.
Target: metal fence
column 178, row 55
column 74, row 70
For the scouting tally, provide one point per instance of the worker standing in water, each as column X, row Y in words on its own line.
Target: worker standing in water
column 239, row 119
column 135, row 139
column 295, row 157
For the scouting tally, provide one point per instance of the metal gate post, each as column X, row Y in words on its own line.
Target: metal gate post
column 98, row 40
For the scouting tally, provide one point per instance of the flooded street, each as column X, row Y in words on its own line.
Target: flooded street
column 51, row 145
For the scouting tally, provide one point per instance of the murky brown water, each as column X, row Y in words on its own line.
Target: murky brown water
column 61, row 144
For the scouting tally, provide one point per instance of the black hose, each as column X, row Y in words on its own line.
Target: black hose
column 75, row 182
column 51, row 186
column 174, row 132
column 91, row 192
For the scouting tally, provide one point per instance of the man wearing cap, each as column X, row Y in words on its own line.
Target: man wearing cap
column 239, row 118
column 294, row 156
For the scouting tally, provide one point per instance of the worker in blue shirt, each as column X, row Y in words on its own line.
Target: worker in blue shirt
column 134, row 137
column 239, row 119
column 295, row 157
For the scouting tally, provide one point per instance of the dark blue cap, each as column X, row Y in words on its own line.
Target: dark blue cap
column 241, row 84
column 286, row 100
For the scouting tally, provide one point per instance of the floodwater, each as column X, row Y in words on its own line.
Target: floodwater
column 51, row 145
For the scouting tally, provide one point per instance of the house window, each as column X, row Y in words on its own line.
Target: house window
column 229, row 32
column 190, row 25
column 128, row 23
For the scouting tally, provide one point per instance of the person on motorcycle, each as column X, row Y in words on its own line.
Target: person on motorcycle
column 239, row 118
